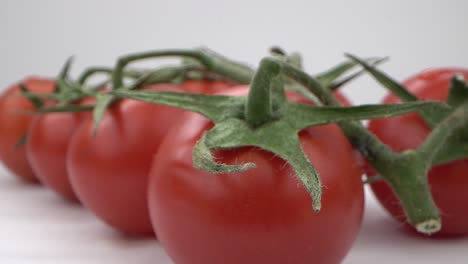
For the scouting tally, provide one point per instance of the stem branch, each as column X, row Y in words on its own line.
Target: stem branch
column 212, row 61
column 443, row 131
column 258, row 109
column 406, row 173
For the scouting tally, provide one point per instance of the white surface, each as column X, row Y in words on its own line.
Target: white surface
column 37, row 37
column 36, row 226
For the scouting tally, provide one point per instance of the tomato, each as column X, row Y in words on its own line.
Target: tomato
column 14, row 125
column 448, row 182
column 109, row 172
column 48, row 140
column 263, row 215
column 342, row 99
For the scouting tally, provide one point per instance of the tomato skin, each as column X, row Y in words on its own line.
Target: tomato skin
column 14, row 125
column 109, row 172
column 48, row 139
column 449, row 182
column 263, row 215
column 342, row 99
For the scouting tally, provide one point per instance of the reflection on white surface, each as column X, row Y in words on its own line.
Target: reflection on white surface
column 36, row 226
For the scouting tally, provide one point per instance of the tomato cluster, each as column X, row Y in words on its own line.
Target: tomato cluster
column 134, row 170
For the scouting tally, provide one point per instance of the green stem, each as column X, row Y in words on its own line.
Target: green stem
column 337, row 84
column 35, row 100
column 377, row 153
column 258, row 109
column 443, row 131
column 408, row 179
column 92, row 71
column 211, row 106
column 88, row 73
column 431, row 118
column 63, row 76
column 66, row 68
column 455, row 148
column 166, row 74
column 391, row 84
column 208, row 59
column 312, row 84
column 235, row 71
column 458, row 90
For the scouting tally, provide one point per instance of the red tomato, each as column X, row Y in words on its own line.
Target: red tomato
column 449, row 182
column 263, row 215
column 48, row 139
column 14, row 125
column 342, row 99
column 109, row 172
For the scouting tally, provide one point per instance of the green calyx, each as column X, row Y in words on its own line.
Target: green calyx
column 39, row 100
column 265, row 119
column 61, row 88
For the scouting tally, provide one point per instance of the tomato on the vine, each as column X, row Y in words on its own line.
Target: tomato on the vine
column 448, row 182
column 48, row 140
column 109, row 171
column 263, row 215
column 14, row 124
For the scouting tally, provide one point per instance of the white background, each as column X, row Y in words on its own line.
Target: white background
column 37, row 36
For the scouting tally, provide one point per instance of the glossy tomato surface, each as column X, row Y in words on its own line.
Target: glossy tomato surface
column 48, row 139
column 263, row 215
column 14, row 124
column 448, row 182
column 109, row 172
